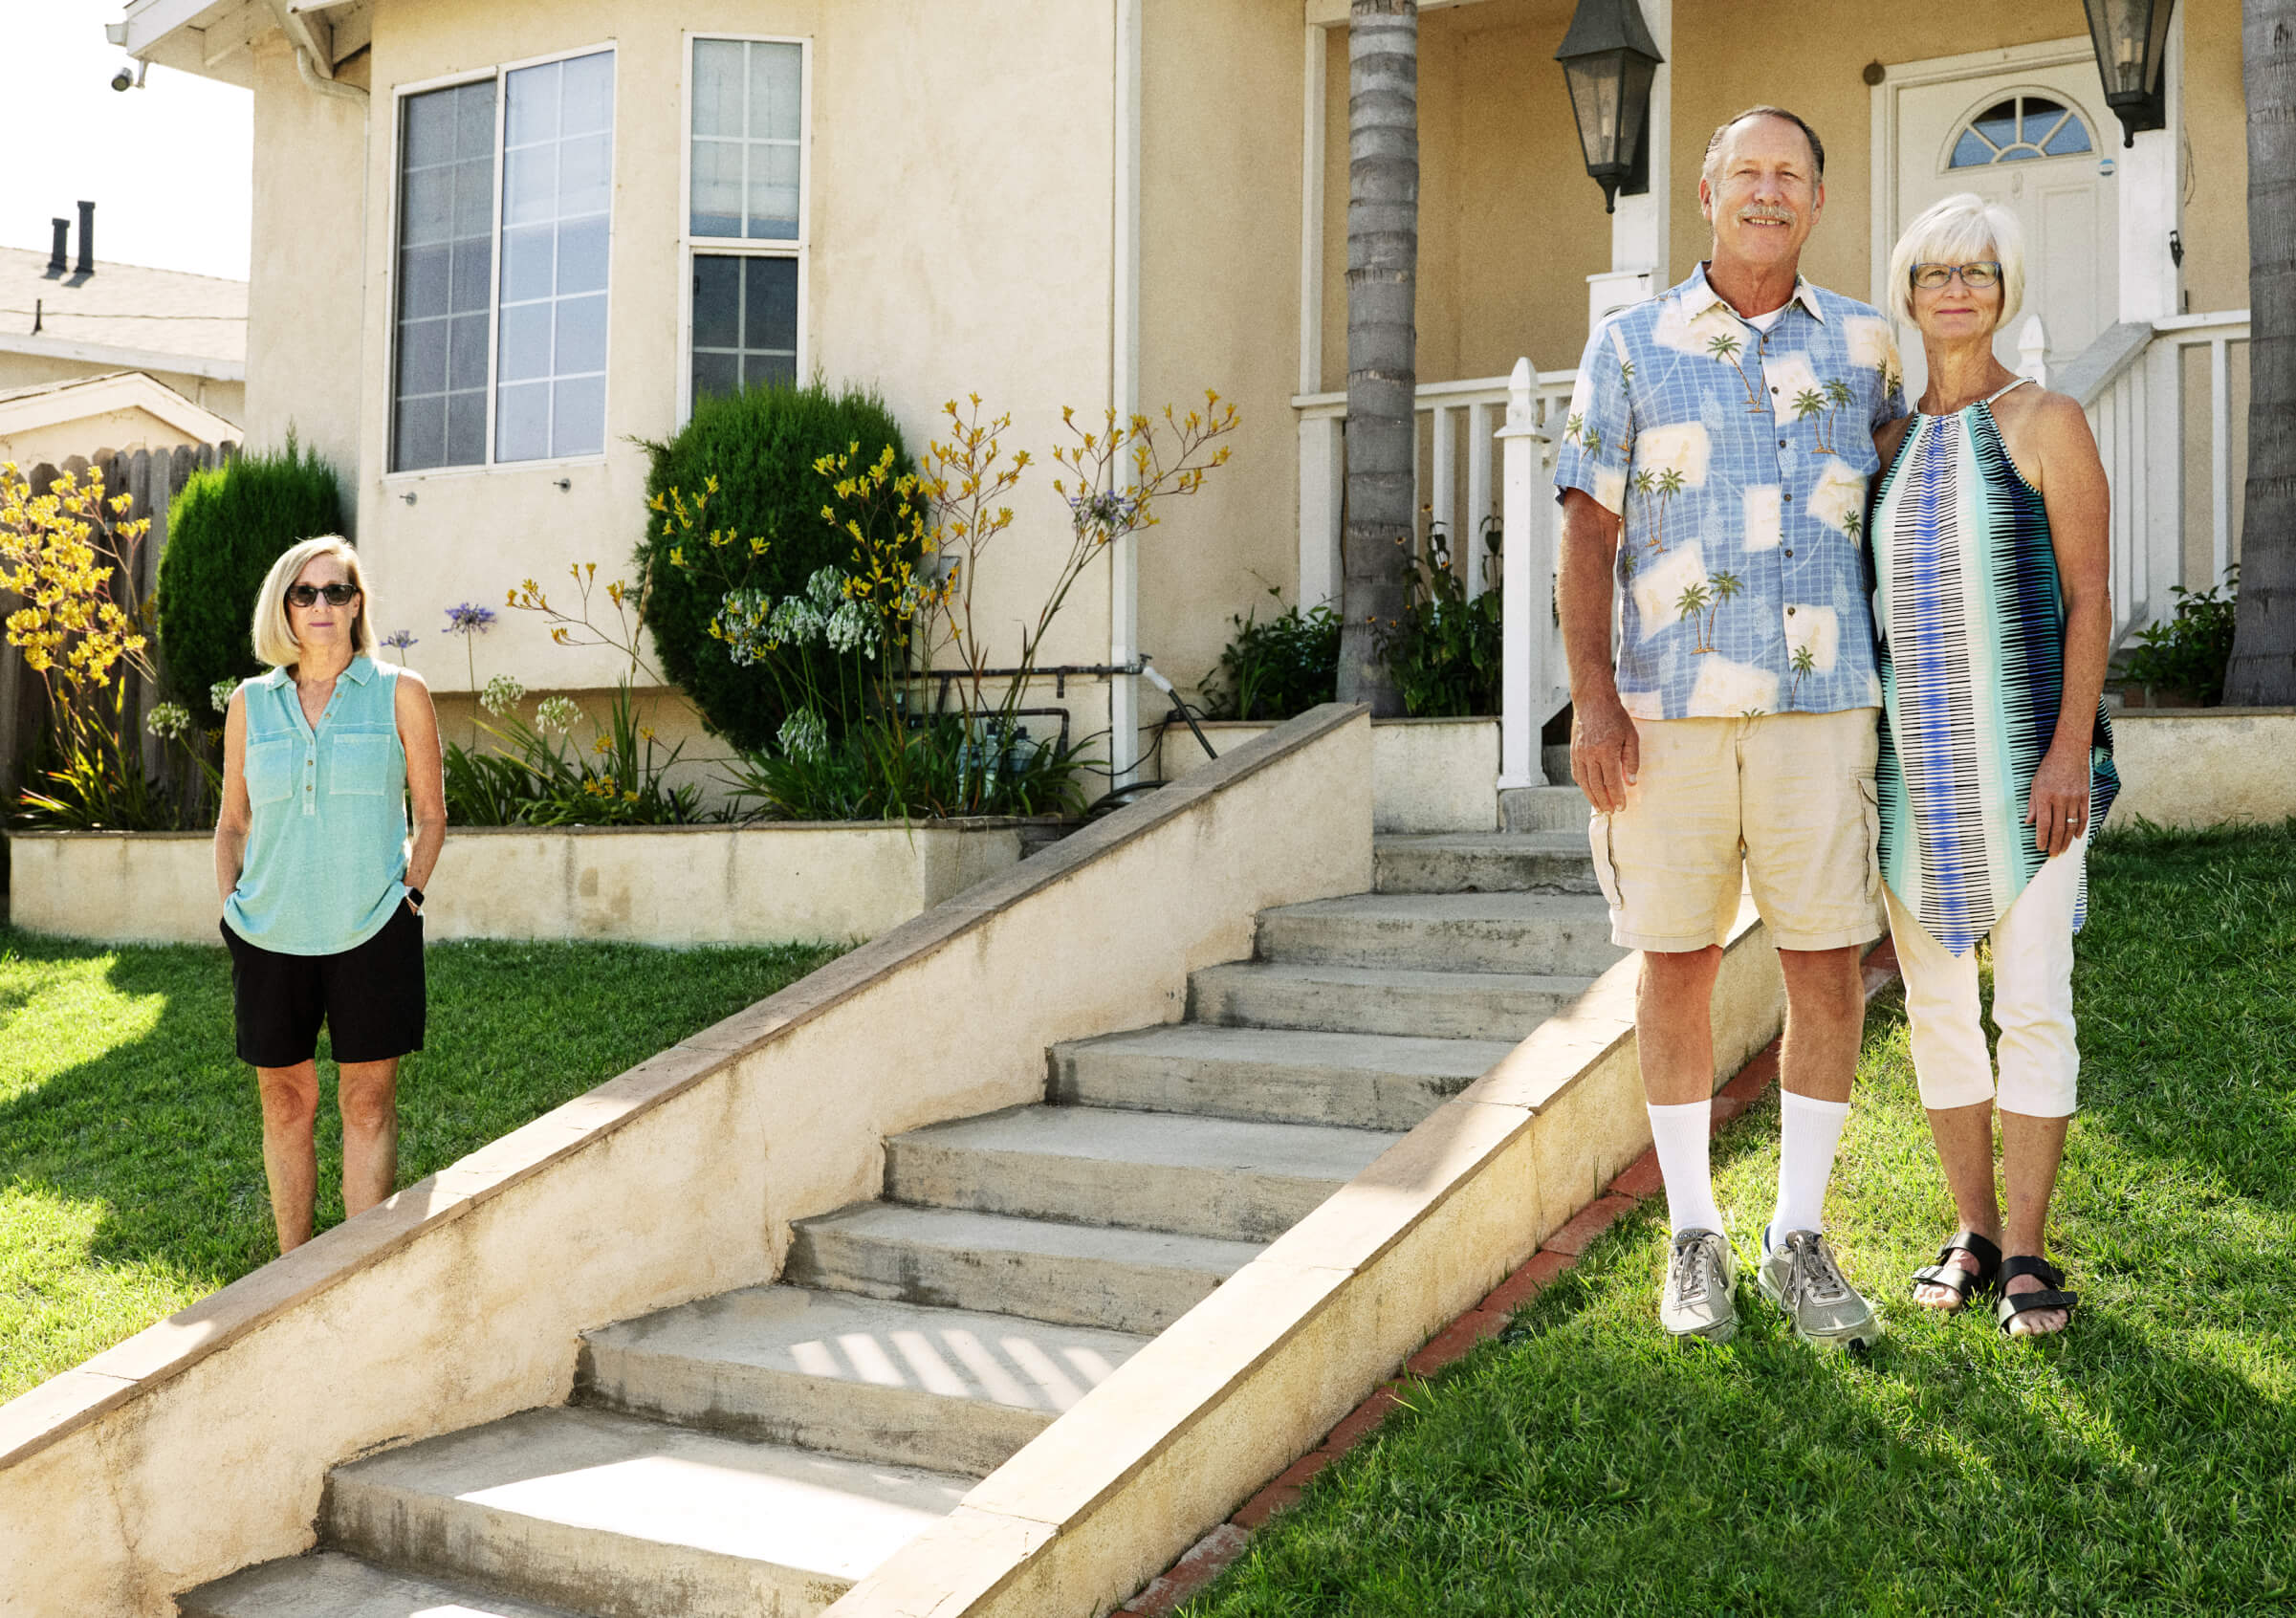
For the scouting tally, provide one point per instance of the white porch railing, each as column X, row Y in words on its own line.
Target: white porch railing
column 1474, row 438
column 2130, row 381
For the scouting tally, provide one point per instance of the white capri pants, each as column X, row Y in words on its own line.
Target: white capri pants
column 2032, row 1001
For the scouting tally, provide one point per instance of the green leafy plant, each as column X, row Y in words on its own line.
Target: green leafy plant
column 929, row 766
column 1276, row 669
column 746, row 465
column 224, row 531
column 1446, row 649
column 2189, row 651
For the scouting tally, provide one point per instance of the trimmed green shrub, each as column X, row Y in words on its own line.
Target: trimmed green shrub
column 224, row 532
column 760, row 445
column 1277, row 669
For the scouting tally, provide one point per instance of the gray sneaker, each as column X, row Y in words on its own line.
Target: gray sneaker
column 1802, row 1278
column 1701, row 1280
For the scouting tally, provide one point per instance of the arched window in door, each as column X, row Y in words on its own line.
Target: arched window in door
column 2018, row 130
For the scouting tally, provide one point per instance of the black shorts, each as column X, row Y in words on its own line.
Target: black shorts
column 370, row 996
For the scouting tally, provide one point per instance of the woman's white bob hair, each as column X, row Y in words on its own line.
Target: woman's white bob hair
column 274, row 635
column 1962, row 229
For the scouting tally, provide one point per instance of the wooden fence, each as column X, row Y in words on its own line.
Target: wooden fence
column 151, row 479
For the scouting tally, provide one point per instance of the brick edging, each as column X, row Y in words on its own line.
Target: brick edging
column 1639, row 1182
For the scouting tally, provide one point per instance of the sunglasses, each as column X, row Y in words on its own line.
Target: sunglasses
column 337, row 595
column 1977, row 277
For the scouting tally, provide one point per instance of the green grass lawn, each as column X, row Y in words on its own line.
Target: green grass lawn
column 2145, row 1462
column 131, row 1166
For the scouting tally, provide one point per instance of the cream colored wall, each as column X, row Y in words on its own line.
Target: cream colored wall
column 1220, row 303
column 2216, row 158
column 305, row 273
column 120, row 430
column 1812, row 60
column 1509, row 225
column 961, row 242
column 227, row 399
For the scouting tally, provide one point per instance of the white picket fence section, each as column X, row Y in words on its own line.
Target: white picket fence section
column 2130, row 381
column 1476, row 438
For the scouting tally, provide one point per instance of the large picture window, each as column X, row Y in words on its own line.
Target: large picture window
column 519, row 282
column 745, row 214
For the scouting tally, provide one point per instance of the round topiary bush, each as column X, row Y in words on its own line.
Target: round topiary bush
column 760, row 445
column 224, row 531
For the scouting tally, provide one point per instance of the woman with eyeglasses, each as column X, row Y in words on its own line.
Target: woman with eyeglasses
column 1990, row 559
column 321, row 885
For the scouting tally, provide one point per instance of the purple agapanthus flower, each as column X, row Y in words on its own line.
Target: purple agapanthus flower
column 469, row 618
column 399, row 640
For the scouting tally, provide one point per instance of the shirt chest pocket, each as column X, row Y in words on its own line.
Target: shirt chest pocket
column 359, row 764
column 269, row 771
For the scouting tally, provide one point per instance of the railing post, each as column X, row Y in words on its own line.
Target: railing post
column 1480, row 438
column 2033, row 350
column 1527, row 559
column 1323, row 474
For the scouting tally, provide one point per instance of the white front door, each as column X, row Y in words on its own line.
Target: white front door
column 2038, row 139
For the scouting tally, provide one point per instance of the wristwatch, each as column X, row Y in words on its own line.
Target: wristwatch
column 416, row 894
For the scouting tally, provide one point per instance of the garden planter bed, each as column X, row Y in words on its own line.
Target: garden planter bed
column 643, row 884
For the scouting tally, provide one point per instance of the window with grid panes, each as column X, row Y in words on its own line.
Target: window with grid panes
column 541, row 319
column 747, row 165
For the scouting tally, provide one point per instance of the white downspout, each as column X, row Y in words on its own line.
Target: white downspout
column 307, row 63
column 1124, row 387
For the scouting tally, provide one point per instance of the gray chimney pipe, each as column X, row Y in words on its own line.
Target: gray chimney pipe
column 56, row 254
column 87, row 240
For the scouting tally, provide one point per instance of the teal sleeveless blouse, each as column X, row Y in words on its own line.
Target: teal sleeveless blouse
column 326, row 851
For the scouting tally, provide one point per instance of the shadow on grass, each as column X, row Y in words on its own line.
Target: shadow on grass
column 159, row 1135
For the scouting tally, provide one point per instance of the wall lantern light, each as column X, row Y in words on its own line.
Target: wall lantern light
column 2132, row 39
column 1609, row 59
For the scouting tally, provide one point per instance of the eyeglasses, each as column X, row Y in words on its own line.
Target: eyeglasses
column 1977, row 277
column 337, row 595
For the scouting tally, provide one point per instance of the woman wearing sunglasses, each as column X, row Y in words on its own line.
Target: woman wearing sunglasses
column 1990, row 559
column 321, row 885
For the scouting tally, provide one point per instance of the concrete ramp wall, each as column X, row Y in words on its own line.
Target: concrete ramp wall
column 202, row 1445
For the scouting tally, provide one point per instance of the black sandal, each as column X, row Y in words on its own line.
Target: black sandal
column 2052, row 1293
column 1955, row 1278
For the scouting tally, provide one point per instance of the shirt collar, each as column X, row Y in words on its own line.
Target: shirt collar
column 362, row 668
column 1699, row 296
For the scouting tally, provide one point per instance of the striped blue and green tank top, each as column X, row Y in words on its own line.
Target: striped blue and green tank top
column 1971, row 618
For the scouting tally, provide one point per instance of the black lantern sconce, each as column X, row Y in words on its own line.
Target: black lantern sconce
column 2132, row 39
column 1609, row 59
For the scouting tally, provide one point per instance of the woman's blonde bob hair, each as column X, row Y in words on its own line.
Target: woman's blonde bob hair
column 1962, row 229
column 274, row 635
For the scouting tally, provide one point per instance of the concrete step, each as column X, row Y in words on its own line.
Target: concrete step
column 1356, row 1080
column 872, row 1378
column 1566, row 933
column 1555, row 861
column 1221, row 1177
column 1071, row 1275
column 330, row 1585
column 1440, row 1005
column 1561, row 807
column 610, row 1515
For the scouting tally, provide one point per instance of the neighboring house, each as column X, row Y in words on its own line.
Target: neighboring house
column 97, row 416
column 67, row 315
column 497, row 246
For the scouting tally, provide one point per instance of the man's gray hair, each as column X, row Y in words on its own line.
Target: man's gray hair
column 1714, row 141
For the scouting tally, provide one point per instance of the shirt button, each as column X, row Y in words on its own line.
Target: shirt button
column 1773, row 390
column 1782, row 444
column 1789, row 553
column 1787, row 498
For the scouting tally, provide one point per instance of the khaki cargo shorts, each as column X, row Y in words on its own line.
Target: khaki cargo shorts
column 1791, row 796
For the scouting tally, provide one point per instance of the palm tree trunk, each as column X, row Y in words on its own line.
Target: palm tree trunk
column 2263, row 646
column 1382, row 262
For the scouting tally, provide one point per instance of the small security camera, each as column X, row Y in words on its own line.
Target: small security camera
column 130, row 75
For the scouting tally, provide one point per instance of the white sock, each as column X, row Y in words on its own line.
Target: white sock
column 1808, row 1132
column 1679, row 1133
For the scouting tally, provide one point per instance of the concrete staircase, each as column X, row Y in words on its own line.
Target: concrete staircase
column 759, row 1452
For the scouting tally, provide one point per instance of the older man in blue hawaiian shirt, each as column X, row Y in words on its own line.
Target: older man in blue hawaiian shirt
column 1713, row 474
